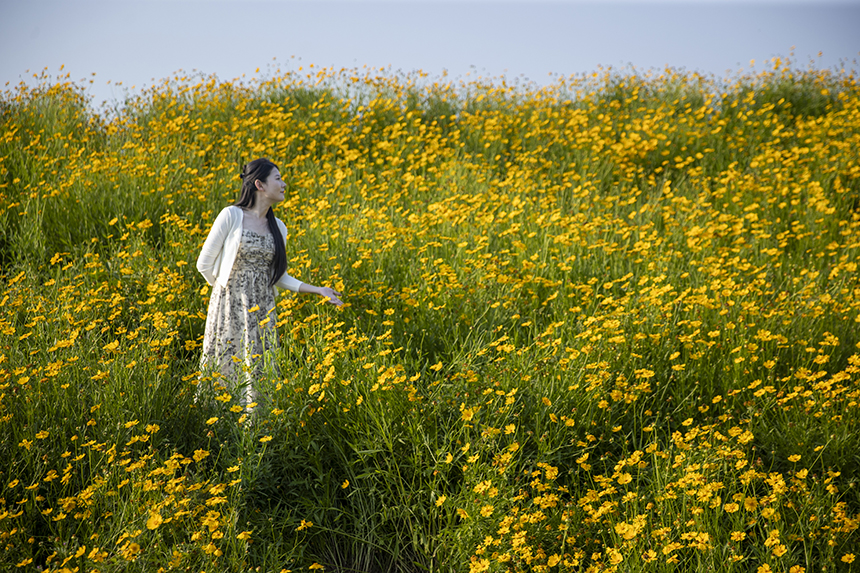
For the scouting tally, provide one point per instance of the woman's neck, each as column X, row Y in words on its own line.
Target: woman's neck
column 258, row 211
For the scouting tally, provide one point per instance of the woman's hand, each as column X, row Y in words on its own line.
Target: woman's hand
column 332, row 295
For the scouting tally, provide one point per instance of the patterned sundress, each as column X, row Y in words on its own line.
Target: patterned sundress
column 240, row 324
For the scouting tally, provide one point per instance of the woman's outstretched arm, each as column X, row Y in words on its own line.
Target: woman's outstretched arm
column 332, row 295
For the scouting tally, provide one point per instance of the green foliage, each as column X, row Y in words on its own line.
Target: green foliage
column 606, row 325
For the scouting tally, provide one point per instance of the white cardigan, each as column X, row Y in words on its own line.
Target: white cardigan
column 219, row 250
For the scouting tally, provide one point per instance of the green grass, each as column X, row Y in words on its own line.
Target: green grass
column 583, row 324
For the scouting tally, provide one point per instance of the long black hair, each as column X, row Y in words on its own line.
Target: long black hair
column 260, row 169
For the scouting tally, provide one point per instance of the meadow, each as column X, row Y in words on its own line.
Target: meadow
column 612, row 324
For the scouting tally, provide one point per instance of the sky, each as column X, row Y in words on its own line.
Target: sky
column 118, row 46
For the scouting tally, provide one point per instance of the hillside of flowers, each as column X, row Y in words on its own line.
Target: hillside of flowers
column 612, row 324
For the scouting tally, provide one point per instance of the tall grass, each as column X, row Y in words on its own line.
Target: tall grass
column 607, row 325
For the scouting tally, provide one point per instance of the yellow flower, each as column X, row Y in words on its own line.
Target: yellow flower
column 487, row 511
column 848, row 558
column 200, row 455
column 794, row 458
column 479, row 565
column 467, row 413
column 304, row 525
column 265, row 439
column 345, row 484
column 626, row 530
column 738, row 535
column 130, row 551
column 731, row 507
column 750, row 504
column 211, row 420
column 245, row 535
column 154, row 520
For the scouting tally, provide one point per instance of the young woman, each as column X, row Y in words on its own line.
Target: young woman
column 244, row 259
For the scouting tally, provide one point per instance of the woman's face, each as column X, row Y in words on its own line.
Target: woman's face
column 272, row 189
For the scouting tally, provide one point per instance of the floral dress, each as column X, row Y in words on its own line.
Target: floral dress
column 240, row 324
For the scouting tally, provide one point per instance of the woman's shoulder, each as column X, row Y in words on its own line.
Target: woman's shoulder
column 230, row 214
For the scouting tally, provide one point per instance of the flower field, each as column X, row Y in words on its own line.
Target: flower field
column 612, row 324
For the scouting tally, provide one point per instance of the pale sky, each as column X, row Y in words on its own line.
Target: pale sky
column 138, row 41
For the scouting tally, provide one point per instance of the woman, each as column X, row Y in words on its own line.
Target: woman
column 244, row 259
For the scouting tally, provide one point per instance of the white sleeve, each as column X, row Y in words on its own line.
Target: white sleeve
column 289, row 283
column 213, row 245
